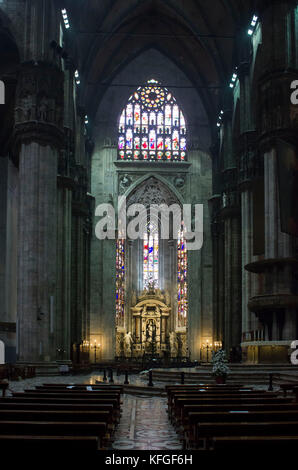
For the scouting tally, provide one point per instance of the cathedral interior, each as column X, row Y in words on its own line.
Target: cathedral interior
column 153, row 103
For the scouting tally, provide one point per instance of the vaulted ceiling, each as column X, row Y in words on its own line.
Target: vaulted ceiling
column 200, row 36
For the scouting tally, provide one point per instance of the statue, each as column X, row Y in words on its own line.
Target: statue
column 173, row 343
column 150, row 331
column 179, row 181
column 128, row 342
column 125, row 182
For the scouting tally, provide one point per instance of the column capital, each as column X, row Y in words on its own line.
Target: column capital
column 276, row 113
column 243, row 69
column 39, row 104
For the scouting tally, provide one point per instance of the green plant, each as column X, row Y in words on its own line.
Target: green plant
column 219, row 364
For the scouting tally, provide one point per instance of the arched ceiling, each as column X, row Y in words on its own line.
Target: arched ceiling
column 200, row 36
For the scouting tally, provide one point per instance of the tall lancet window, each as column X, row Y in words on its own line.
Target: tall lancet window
column 182, row 278
column 150, row 257
column 120, row 279
column 152, row 126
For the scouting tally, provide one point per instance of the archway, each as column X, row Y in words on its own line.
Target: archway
column 150, row 269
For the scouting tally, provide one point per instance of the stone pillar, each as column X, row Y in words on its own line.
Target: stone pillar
column 231, row 216
column 130, row 270
column 39, row 117
column 246, row 230
column 63, row 292
column 218, row 267
column 8, row 255
column 82, row 208
column 276, row 301
column 172, row 286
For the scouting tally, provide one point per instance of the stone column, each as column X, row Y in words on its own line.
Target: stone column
column 82, row 208
column 130, row 270
column 172, row 286
column 39, row 117
column 218, row 267
column 231, row 216
column 63, row 304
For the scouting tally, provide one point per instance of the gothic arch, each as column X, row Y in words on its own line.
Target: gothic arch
column 141, row 181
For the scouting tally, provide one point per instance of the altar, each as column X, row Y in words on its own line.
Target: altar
column 150, row 324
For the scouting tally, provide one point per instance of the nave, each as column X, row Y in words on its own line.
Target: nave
column 85, row 412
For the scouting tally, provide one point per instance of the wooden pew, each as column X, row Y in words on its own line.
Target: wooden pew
column 213, row 392
column 206, row 432
column 255, row 443
column 102, row 386
column 52, row 428
column 99, row 404
column 287, row 387
column 179, row 401
column 56, row 415
column 23, row 405
column 68, row 394
column 62, row 412
column 11, row 443
column 192, row 433
column 182, row 419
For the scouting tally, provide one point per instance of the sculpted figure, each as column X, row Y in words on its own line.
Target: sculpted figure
column 128, row 343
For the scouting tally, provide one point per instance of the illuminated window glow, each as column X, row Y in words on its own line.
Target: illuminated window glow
column 152, row 121
column 182, row 278
column 120, row 282
column 150, row 258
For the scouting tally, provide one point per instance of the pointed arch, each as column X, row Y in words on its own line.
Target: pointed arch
column 178, row 196
column 152, row 126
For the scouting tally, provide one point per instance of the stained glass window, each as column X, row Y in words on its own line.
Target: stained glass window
column 150, row 257
column 152, row 127
column 120, row 279
column 182, row 278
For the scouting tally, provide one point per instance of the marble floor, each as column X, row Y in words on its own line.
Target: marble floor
column 144, row 425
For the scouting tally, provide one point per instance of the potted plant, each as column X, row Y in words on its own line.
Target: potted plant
column 220, row 370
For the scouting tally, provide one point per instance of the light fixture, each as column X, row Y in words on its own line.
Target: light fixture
column 77, row 77
column 253, row 24
column 219, row 122
column 65, row 18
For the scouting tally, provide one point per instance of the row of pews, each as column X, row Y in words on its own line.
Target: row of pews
column 61, row 416
column 13, row 372
column 225, row 417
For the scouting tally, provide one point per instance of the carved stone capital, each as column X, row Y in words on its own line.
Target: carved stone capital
column 39, row 104
column 40, row 132
column 276, row 113
column 243, row 69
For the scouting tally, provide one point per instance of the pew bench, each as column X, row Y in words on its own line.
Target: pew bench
column 254, row 443
column 207, row 432
column 183, row 419
column 48, row 443
column 52, row 428
column 180, row 401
